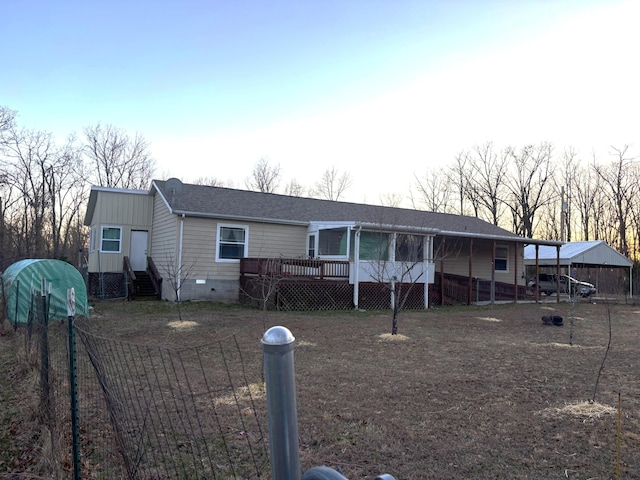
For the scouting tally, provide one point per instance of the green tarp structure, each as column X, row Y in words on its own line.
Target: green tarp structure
column 24, row 278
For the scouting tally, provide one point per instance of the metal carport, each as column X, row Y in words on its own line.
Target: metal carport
column 579, row 254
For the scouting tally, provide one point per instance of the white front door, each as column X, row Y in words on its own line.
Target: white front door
column 138, row 255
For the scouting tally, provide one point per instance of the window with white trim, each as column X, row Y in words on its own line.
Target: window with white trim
column 502, row 259
column 311, row 245
column 332, row 242
column 111, row 240
column 232, row 244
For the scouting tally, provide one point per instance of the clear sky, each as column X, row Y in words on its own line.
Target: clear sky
column 383, row 89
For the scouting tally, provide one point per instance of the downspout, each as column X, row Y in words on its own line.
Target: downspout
column 179, row 279
column 631, row 282
column 537, row 273
column 356, row 266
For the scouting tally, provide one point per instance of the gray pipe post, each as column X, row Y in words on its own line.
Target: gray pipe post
column 277, row 345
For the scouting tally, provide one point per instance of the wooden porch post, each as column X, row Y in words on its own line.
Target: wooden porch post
column 442, row 272
column 493, row 274
column 557, row 273
column 515, row 272
column 469, row 302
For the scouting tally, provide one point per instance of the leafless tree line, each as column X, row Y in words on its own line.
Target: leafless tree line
column 535, row 191
column 266, row 177
column 44, row 185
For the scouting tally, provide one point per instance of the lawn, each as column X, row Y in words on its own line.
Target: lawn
column 462, row 392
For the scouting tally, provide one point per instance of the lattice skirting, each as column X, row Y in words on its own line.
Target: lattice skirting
column 310, row 295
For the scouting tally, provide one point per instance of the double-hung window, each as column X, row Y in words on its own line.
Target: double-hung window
column 111, row 240
column 232, row 242
column 502, row 259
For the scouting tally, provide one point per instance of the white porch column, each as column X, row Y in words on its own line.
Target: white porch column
column 392, row 255
column 356, row 265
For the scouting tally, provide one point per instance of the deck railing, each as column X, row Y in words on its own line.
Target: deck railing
column 295, row 267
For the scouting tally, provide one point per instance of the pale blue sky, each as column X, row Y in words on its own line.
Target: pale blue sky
column 363, row 85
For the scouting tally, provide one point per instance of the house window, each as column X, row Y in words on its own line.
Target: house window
column 311, row 246
column 332, row 241
column 232, row 242
column 111, row 239
column 373, row 246
column 502, row 259
column 409, row 248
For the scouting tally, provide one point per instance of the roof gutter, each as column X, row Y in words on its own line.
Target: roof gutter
column 240, row 217
column 504, row 238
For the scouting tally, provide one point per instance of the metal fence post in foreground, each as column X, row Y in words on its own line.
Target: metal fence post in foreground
column 277, row 345
column 73, row 383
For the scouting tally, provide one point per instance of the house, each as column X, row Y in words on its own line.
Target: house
column 220, row 238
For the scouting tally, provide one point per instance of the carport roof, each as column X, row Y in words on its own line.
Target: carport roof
column 594, row 253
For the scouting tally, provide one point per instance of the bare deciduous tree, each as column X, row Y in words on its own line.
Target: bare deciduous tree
column 621, row 184
column 391, row 199
column 43, row 192
column 294, row 189
column 332, row 184
column 68, row 196
column 528, row 185
column 7, row 120
column 177, row 273
column 265, row 177
column 433, row 193
column 487, row 174
column 212, row 182
column 118, row 160
column 458, row 175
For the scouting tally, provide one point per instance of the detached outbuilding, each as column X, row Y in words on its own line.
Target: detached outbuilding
column 593, row 261
column 22, row 284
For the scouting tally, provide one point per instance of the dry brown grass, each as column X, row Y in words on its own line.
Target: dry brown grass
column 586, row 409
column 398, row 337
column 182, row 325
column 458, row 394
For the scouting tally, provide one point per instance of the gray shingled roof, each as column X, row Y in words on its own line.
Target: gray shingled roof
column 206, row 201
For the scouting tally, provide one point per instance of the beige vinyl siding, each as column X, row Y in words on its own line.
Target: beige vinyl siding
column 165, row 235
column 117, row 208
column 456, row 260
column 127, row 211
column 265, row 240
